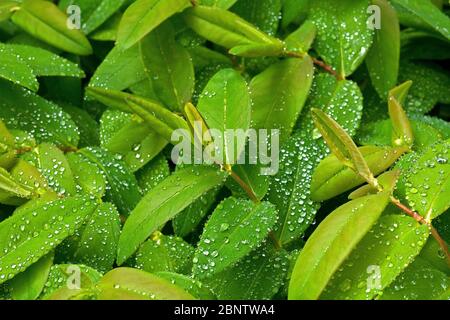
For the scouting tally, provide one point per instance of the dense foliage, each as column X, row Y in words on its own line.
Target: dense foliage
column 93, row 204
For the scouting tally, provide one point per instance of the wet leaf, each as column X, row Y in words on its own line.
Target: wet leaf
column 225, row 104
column 48, row 224
column 343, row 37
column 145, row 15
column 133, row 284
column 332, row 177
column 235, row 228
column 43, row 20
column 383, row 58
column 279, row 94
column 332, row 242
column 163, row 203
column 378, row 259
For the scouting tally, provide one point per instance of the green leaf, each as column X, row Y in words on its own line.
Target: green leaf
column 94, row 13
column 164, row 253
column 332, row 242
column 380, row 133
column 23, row 244
column 153, row 173
column 258, row 276
column 383, row 58
column 88, row 127
column 121, row 69
column 342, row 145
column 157, row 117
column 224, row 4
column 290, row 188
column 133, row 284
column 45, row 63
column 428, row 13
column 225, row 104
column 235, row 228
column 252, row 176
column 54, row 166
column 145, row 15
column 343, row 37
column 122, row 187
column 294, row 11
column 63, row 274
column 428, row 181
column 21, row 109
column 190, row 218
column 29, row 284
column 279, row 94
column 264, row 14
column 170, row 65
column 95, row 243
column 15, row 69
column 301, row 40
column 227, row 29
column 332, row 177
column 430, row 86
column 6, row 9
column 87, row 175
column 163, row 203
column 341, row 99
column 386, row 250
column 130, row 137
column 194, row 287
column 43, row 20
column 420, row 281
column 401, row 126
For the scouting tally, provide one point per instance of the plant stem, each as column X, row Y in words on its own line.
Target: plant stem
column 244, row 186
column 317, row 62
column 422, row 220
column 251, row 194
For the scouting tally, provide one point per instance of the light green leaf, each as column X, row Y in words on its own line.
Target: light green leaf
column 163, row 203
column 43, row 20
column 23, row 244
column 236, row 227
column 383, row 58
column 279, row 94
column 62, row 274
column 133, row 284
column 225, row 104
column 145, row 15
column 194, row 287
column 342, row 145
column 332, row 177
column 385, row 251
column 301, row 40
column 227, row 29
column 331, row 243
column 343, row 37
